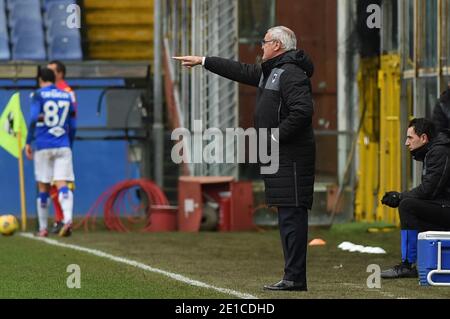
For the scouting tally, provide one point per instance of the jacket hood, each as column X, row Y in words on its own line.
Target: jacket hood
column 445, row 96
column 443, row 138
column 298, row 57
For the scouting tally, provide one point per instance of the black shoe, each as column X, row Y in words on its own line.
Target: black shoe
column 66, row 230
column 286, row 285
column 402, row 270
column 57, row 227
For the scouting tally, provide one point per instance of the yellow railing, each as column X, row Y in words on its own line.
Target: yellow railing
column 368, row 140
column 380, row 139
column 390, row 136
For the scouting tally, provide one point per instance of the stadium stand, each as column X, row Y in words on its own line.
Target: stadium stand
column 11, row 3
column 113, row 25
column 4, row 39
column 59, row 27
column 3, row 26
column 2, row 13
column 110, row 26
column 30, row 28
column 65, row 47
column 63, row 42
column 24, row 11
column 37, row 30
column 56, row 10
column 4, row 47
column 28, row 48
column 49, row 2
column 26, row 31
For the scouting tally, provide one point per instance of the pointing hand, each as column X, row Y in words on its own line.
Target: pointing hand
column 189, row 61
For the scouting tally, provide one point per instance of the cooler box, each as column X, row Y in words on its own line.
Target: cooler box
column 433, row 258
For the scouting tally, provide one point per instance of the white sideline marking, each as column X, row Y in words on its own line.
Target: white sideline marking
column 139, row 265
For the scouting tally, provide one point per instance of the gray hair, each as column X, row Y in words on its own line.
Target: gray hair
column 286, row 37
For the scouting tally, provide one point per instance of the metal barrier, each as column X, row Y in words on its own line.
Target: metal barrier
column 205, row 28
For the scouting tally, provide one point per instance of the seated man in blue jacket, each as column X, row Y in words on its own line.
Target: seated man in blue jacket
column 427, row 206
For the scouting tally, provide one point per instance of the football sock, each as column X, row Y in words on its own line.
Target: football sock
column 66, row 200
column 42, row 209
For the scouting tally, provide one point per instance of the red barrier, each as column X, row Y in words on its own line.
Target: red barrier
column 163, row 219
column 225, row 211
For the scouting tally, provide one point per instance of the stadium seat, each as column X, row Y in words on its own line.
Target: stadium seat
column 4, row 42
column 10, row 4
column 65, row 48
column 4, row 48
column 30, row 28
column 59, row 27
column 47, row 3
column 19, row 5
column 3, row 27
column 23, row 12
column 56, row 10
column 28, row 48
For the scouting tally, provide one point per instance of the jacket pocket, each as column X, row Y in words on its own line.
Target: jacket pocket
column 280, row 187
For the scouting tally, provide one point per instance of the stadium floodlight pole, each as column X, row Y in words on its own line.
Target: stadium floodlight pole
column 158, row 128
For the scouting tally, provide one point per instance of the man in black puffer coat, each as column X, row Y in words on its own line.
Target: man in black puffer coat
column 441, row 112
column 284, row 101
column 427, row 206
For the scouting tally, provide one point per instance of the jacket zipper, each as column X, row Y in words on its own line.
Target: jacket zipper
column 279, row 113
column 295, row 182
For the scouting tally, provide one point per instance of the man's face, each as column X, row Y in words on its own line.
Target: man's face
column 271, row 48
column 414, row 141
column 54, row 68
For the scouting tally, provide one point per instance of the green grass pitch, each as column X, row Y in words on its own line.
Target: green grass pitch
column 240, row 261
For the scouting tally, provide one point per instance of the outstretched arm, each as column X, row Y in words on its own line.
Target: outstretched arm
column 244, row 73
column 189, row 61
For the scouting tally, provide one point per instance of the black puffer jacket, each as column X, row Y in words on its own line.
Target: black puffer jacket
column 441, row 112
column 283, row 101
column 435, row 183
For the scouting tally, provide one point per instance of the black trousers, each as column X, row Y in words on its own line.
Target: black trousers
column 423, row 215
column 293, row 224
